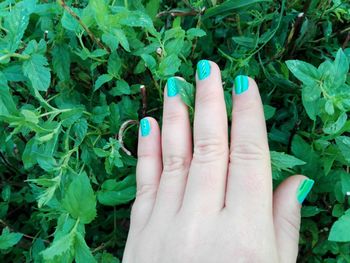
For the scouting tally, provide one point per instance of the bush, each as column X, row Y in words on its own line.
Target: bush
column 74, row 78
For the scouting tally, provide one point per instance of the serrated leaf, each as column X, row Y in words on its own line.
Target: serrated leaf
column 169, row 66
column 7, row 105
column 82, row 251
column 61, row 249
column 61, row 61
column 35, row 69
column 15, row 23
column 187, row 92
column 8, row 239
column 283, row 161
column 80, row 188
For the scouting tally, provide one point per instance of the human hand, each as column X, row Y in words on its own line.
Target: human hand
column 213, row 203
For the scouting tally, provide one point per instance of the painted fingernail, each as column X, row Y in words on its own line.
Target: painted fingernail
column 145, row 127
column 203, row 69
column 304, row 189
column 172, row 88
column 241, row 84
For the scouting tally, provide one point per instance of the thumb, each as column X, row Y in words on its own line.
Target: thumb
column 287, row 200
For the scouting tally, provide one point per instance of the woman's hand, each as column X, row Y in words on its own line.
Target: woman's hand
column 213, row 203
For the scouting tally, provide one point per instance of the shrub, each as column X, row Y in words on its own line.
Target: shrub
column 76, row 76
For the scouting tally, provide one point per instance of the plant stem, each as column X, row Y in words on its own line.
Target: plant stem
column 76, row 17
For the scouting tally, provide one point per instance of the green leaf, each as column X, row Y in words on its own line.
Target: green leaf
column 7, row 105
column 61, row 61
column 121, row 37
column 283, row 161
column 269, row 112
column 340, row 229
column 149, row 61
column 187, row 92
column 152, row 8
column 309, row 211
column 195, row 32
column 137, row 19
column 79, row 129
column 343, row 143
column 50, row 186
column 341, row 68
column 335, row 127
column 102, row 79
column 111, row 41
column 69, row 22
column 122, row 88
column 100, row 152
column 114, row 65
column 35, row 69
column 99, row 113
column 61, row 249
column 116, row 193
column 229, row 6
column 8, row 239
column 310, row 98
column 303, row 71
column 82, row 251
column 80, row 188
column 169, row 66
column 15, row 23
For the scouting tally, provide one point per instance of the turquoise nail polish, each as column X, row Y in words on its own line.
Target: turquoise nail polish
column 304, row 189
column 241, row 84
column 145, row 127
column 172, row 88
column 203, row 69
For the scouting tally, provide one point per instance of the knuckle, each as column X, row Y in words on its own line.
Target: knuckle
column 206, row 150
column 250, row 106
column 172, row 116
column 175, row 164
column 206, row 96
column 146, row 191
column 249, row 151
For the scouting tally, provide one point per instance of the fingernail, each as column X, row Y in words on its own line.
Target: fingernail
column 145, row 127
column 172, row 88
column 304, row 189
column 203, row 69
column 241, row 84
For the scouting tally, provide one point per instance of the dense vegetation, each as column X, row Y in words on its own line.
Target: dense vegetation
column 71, row 95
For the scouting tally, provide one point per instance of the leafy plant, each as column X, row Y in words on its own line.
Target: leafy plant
column 75, row 77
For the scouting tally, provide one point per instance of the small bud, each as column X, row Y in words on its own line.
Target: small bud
column 159, row 51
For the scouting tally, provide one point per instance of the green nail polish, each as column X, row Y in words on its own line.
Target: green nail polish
column 203, row 69
column 172, row 88
column 241, row 84
column 304, row 189
column 145, row 127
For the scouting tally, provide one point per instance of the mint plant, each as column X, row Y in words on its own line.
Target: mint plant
column 76, row 76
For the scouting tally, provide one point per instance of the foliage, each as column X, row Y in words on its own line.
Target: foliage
column 70, row 76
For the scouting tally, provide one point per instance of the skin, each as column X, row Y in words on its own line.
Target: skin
column 208, row 200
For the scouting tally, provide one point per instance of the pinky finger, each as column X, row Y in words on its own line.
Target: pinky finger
column 148, row 171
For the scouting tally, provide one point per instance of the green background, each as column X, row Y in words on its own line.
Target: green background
column 70, row 101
